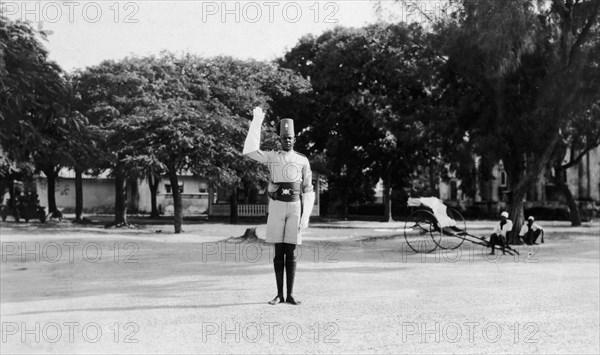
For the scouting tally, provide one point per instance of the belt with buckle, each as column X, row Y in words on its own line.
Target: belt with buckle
column 286, row 191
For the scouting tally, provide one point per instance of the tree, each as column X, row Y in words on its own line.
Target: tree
column 65, row 141
column 374, row 90
column 111, row 92
column 34, row 101
column 153, row 182
column 524, row 65
column 239, row 86
column 581, row 136
column 172, row 135
column 581, row 133
column 87, row 157
column 29, row 85
column 186, row 114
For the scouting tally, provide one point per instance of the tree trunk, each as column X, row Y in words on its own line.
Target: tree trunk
column 516, row 213
column 387, row 196
column 78, row 195
column 515, row 166
column 573, row 209
column 345, row 199
column 153, row 182
column 178, row 216
column 133, row 197
column 51, row 175
column 247, row 188
column 120, row 197
column 211, row 197
column 500, row 87
column 233, row 203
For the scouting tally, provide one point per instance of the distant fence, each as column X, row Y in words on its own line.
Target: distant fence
column 243, row 210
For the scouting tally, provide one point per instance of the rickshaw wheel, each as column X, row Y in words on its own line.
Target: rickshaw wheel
column 421, row 231
column 451, row 242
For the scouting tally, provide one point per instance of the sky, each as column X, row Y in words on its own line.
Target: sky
column 83, row 33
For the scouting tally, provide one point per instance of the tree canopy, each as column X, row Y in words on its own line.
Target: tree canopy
column 171, row 115
column 374, row 90
column 520, row 66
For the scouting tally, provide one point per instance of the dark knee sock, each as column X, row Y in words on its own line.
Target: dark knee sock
column 278, row 264
column 290, row 267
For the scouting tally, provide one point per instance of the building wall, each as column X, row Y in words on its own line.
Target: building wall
column 194, row 197
column 584, row 179
column 98, row 194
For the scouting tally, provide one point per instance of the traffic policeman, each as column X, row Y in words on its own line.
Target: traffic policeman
column 291, row 198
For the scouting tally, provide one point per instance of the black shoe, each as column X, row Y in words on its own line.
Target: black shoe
column 277, row 300
column 291, row 300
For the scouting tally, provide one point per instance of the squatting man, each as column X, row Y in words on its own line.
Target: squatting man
column 500, row 233
column 291, row 198
column 530, row 231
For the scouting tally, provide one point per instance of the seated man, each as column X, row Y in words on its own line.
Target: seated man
column 531, row 231
column 500, row 233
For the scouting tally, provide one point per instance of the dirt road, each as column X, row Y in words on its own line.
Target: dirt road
column 67, row 289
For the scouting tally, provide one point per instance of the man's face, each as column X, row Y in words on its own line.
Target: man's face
column 287, row 142
column 529, row 222
column 503, row 219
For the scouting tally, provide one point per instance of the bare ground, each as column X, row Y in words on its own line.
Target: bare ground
column 86, row 289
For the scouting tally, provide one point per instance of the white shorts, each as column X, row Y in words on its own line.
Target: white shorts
column 283, row 222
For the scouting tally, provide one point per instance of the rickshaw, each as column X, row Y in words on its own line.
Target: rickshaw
column 434, row 225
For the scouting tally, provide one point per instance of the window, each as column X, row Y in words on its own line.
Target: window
column 168, row 188
column 203, row 189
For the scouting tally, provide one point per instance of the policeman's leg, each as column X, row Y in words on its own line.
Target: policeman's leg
column 278, row 264
column 290, row 271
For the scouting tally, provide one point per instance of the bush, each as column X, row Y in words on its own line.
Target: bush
column 375, row 209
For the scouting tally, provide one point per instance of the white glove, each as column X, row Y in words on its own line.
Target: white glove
column 308, row 202
column 252, row 142
column 258, row 114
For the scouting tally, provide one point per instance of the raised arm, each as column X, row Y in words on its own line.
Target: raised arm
column 252, row 143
